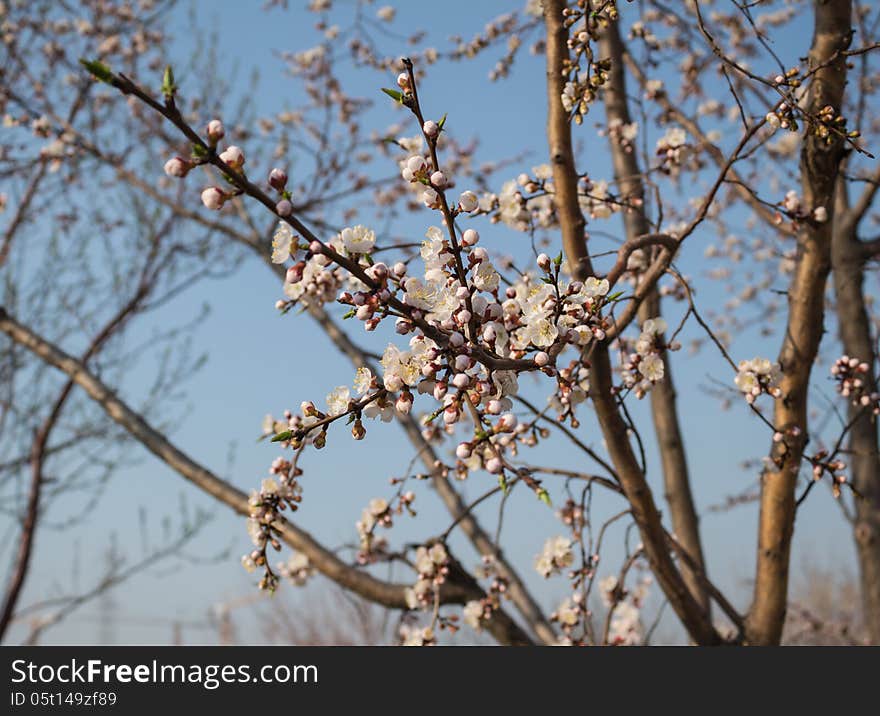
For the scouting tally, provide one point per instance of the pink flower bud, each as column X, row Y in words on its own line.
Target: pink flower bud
column 295, row 272
column 403, row 81
column 431, row 129
column 233, row 156
column 461, row 380
column 416, row 164
column 438, row 179
column 463, row 451
column 404, row 403
column 541, row 359
column 494, row 407
column 177, row 167
column 544, row 262
column 431, row 198
column 470, row 238
column 284, row 208
column 468, row 202
column 278, row 179
column 315, row 247
column 456, row 340
column 494, row 465
column 508, row 421
column 215, row 130
column 213, row 198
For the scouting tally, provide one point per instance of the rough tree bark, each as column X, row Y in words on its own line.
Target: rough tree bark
column 627, row 173
column 848, row 258
column 614, row 429
column 820, row 163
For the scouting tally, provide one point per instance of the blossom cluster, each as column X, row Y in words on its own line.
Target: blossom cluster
column 556, row 556
column 852, row 376
column 758, row 376
column 432, row 566
column 644, row 366
column 277, row 494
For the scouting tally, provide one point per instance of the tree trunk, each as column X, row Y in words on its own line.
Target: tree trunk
column 848, row 263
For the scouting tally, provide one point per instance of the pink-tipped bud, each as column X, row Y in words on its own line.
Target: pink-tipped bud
column 315, row 247
column 233, row 156
column 494, row 465
column 507, row 422
column 468, row 202
column 470, row 237
column 461, row 380
column 541, row 359
column 416, row 164
column 404, row 403
column 284, row 208
column 463, row 451
column 177, row 167
column 403, row 81
column 213, row 198
column 438, row 179
column 215, row 131
column 431, row 129
column 295, row 272
column 544, row 262
column 278, row 179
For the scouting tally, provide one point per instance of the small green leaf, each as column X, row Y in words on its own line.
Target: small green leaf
column 350, row 314
column 394, row 94
column 442, row 121
column 502, row 483
column 613, row 296
column 168, row 86
column 558, row 259
column 98, row 70
column 199, row 152
column 549, row 281
column 281, row 437
column 544, row 497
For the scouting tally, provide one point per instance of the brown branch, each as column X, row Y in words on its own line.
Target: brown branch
column 663, row 397
column 362, row 583
column 820, row 163
column 614, row 428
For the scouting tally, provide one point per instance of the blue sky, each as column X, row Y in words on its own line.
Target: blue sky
column 260, row 362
